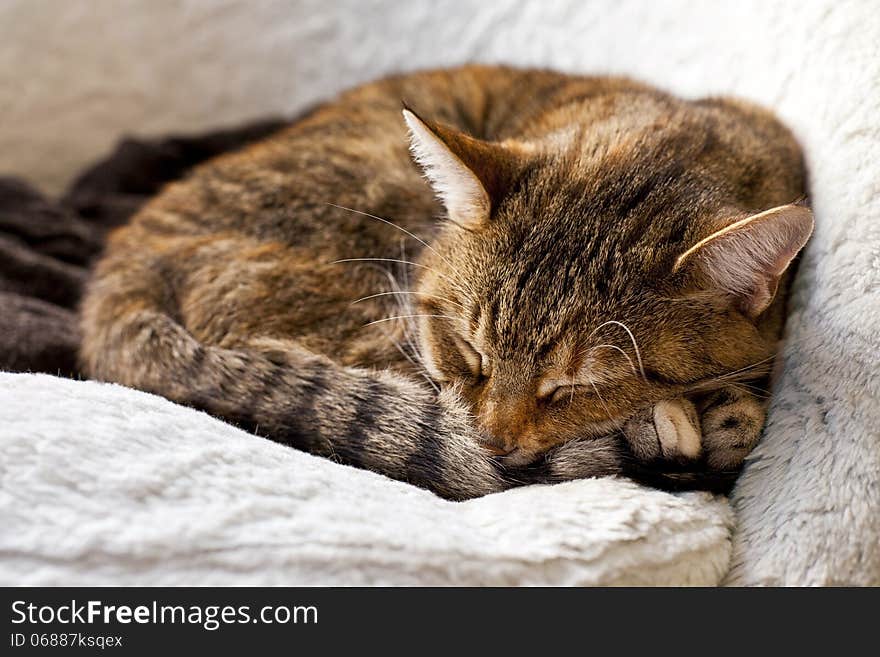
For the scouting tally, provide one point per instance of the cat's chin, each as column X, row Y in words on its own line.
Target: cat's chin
column 520, row 457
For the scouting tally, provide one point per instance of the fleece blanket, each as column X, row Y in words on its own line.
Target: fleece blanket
column 100, row 484
column 807, row 506
column 103, row 485
column 46, row 246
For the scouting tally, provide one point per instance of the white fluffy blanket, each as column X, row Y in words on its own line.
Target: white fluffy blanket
column 100, row 484
column 808, row 506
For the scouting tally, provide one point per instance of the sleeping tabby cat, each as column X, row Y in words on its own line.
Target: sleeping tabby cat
column 591, row 281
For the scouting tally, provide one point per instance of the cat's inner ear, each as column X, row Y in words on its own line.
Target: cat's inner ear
column 747, row 258
column 469, row 175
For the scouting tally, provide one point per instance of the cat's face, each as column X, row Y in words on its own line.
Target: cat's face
column 557, row 314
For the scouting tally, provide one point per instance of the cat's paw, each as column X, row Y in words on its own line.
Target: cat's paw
column 722, row 432
column 669, row 430
column 731, row 423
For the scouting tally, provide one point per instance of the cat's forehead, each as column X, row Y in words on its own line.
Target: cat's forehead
column 546, row 282
column 547, row 320
column 541, row 306
column 555, row 348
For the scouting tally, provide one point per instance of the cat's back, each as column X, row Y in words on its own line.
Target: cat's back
column 354, row 149
column 291, row 188
column 251, row 240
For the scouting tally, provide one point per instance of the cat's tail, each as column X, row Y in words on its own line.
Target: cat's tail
column 375, row 420
column 576, row 460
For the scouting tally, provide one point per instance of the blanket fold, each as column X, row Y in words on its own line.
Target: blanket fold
column 46, row 246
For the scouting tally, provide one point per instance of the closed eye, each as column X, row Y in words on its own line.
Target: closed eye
column 476, row 362
column 554, row 391
column 563, row 393
column 566, row 393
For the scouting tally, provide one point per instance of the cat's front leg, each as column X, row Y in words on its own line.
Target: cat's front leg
column 719, row 429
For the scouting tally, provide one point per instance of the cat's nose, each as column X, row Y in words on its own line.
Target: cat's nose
column 500, row 427
column 498, row 449
column 497, row 444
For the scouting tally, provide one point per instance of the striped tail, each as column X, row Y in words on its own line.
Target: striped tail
column 380, row 421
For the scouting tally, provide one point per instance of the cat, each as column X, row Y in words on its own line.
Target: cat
column 471, row 279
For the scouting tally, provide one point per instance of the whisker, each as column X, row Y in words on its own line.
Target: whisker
column 718, row 383
column 625, row 355
column 748, row 368
column 636, row 347
column 397, row 260
column 405, row 272
column 752, row 390
column 414, row 364
column 403, row 292
column 419, row 367
column 756, row 390
column 631, row 337
column 402, row 262
column 388, row 319
column 403, row 302
column 423, row 369
column 412, row 341
column 394, row 225
column 604, row 405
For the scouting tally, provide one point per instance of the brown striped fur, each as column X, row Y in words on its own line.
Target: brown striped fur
column 226, row 292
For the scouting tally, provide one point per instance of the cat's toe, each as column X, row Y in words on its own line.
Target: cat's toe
column 678, row 429
column 668, row 430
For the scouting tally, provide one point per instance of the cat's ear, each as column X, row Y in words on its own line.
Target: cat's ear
column 469, row 175
column 747, row 258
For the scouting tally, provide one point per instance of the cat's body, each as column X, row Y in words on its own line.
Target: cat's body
column 226, row 292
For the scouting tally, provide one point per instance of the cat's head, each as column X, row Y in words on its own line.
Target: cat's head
column 565, row 293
